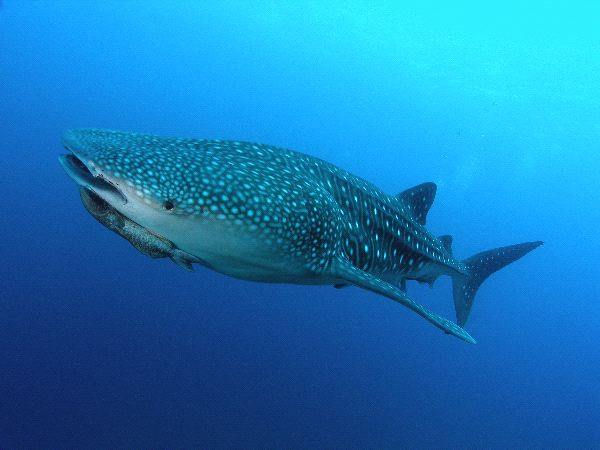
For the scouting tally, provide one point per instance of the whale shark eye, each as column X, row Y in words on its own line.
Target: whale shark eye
column 168, row 205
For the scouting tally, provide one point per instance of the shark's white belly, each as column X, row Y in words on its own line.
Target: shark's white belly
column 241, row 257
column 229, row 249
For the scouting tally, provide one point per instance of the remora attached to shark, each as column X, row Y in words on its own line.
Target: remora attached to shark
column 264, row 213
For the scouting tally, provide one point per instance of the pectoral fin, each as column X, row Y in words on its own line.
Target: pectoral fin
column 344, row 270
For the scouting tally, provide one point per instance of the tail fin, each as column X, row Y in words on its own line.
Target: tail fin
column 479, row 267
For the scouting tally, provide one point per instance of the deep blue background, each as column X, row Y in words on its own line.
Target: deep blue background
column 103, row 347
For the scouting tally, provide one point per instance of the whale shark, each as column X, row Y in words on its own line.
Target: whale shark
column 263, row 213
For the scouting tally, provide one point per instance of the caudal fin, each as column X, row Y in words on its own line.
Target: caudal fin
column 479, row 267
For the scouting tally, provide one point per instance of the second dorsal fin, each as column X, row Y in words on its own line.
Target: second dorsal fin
column 419, row 199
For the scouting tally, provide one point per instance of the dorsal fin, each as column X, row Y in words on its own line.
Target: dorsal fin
column 419, row 199
column 447, row 242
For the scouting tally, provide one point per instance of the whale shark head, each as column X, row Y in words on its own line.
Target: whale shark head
column 146, row 179
column 184, row 191
column 114, row 168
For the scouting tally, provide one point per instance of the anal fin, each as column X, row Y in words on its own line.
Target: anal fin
column 344, row 270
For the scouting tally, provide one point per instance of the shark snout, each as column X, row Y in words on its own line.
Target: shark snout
column 79, row 143
column 96, row 148
column 70, row 138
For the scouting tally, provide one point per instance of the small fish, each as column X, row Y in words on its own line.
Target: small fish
column 264, row 213
column 147, row 242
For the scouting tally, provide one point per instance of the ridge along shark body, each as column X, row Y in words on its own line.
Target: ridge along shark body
column 264, row 213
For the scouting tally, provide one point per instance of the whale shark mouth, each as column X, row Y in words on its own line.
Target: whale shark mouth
column 91, row 179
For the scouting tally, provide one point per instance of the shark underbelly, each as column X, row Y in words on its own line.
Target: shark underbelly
column 233, row 249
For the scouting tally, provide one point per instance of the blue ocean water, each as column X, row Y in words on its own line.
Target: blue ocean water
column 102, row 347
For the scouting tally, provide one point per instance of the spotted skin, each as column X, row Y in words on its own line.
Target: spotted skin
column 418, row 200
column 264, row 213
